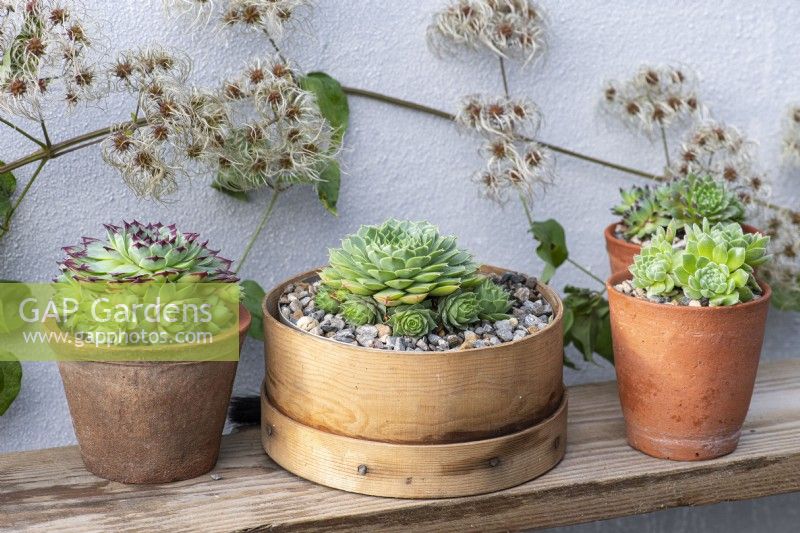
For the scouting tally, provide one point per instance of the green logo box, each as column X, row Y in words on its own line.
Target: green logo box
column 113, row 321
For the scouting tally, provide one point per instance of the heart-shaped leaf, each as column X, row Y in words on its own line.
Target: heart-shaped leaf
column 552, row 247
column 253, row 296
column 10, row 380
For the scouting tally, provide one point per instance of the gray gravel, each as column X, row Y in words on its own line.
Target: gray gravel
column 529, row 314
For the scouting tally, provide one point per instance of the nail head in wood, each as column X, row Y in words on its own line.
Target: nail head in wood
column 362, row 470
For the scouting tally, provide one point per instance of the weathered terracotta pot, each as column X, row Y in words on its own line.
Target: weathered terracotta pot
column 685, row 374
column 621, row 252
column 413, row 424
column 150, row 422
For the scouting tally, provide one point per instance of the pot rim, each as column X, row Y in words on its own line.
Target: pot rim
column 555, row 303
column 611, row 236
column 623, row 275
column 245, row 319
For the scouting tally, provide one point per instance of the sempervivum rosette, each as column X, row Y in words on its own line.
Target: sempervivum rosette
column 138, row 253
column 400, row 262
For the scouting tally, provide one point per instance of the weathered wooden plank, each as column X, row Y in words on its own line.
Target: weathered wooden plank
column 600, row 477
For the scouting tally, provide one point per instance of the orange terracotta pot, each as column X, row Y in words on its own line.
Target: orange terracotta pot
column 685, row 374
column 621, row 252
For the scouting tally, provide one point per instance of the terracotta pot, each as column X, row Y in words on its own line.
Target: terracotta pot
column 621, row 252
column 341, row 414
column 150, row 422
column 685, row 374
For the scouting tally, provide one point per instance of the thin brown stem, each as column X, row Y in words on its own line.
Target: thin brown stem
column 58, row 149
column 10, row 214
column 664, row 143
column 44, row 132
column 262, row 223
column 449, row 116
column 21, row 132
column 504, row 76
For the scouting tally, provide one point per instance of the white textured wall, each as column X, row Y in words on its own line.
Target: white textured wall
column 405, row 164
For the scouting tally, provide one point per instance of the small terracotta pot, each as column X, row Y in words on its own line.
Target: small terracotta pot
column 685, row 374
column 621, row 252
column 150, row 422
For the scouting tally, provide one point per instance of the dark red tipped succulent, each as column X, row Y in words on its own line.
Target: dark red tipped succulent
column 138, row 253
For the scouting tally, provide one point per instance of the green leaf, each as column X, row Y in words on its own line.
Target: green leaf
column 587, row 324
column 552, row 247
column 253, row 296
column 8, row 184
column 333, row 105
column 10, row 380
column 328, row 188
column 331, row 99
column 239, row 195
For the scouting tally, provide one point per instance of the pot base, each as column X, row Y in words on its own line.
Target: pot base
column 682, row 449
column 413, row 470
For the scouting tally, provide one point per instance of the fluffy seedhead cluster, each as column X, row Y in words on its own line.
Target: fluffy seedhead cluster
column 716, row 266
column 178, row 125
column 515, row 164
column 138, row 253
column 407, row 275
column 721, row 151
column 508, row 28
column 655, row 97
column 687, row 200
column 48, row 53
column 261, row 129
column 791, row 135
column 269, row 16
column 279, row 135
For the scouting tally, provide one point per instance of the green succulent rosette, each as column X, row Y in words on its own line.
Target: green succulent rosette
column 135, row 252
column 459, row 310
column 688, row 200
column 645, row 218
column 148, row 279
column 413, row 320
column 733, row 236
column 652, row 268
column 494, row 302
column 692, row 199
column 400, row 262
column 327, row 300
column 717, row 263
column 715, row 282
column 359, row 310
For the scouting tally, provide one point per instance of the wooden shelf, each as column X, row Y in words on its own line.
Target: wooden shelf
column 600, row 477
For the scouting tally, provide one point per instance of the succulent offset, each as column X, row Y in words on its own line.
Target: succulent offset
column 327, row 300
column 716, row 264
column 693, row 199
column 400, row 262
column 138, row 253
column 359, row 310
column 652, row 268
column 413, row 320
column 687, row 200
column 493, row 302
column 459, row 310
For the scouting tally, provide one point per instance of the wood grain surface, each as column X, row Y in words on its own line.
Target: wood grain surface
column 414, row 470
column 600, row 477
column 413, row 397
